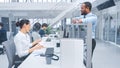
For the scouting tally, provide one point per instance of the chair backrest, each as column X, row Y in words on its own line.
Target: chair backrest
column 10, row 51
column 9, row 35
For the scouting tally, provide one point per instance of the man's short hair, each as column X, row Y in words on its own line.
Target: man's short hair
column 44, row 25
column 88, row 5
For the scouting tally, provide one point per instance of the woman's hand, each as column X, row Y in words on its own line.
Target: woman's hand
column 36, row 47
column 36, row 42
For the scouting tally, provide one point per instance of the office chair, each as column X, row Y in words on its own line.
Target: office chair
column 10, row 51
column 1, row 49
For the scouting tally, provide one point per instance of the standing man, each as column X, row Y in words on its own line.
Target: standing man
column 88, row 17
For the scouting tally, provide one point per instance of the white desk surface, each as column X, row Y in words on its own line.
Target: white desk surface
column 34, row 60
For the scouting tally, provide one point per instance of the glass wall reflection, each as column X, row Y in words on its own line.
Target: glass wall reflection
column 109, row 27
column 112, row 27
column 118, row 28
column 106, row 27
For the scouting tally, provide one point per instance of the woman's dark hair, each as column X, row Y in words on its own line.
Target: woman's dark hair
column 22, row 22
column 36, row 26
column 44, row 25
column 88, row 5
column 17, row 24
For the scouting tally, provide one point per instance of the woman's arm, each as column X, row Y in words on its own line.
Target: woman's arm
column 38, row 46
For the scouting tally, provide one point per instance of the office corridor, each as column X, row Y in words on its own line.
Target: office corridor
column 105, row 56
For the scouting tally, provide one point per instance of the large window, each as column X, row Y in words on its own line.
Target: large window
column 35, row 0
column 105, row 26
column 40, row 0
column 54, row 0
column 109, row 30
column 2, row 1
column 44, row 0
column 68, row 21
column 112, row 27
column 58, row 0
column 49, row 0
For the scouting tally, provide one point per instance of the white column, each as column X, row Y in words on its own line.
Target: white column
column 72, row 53
column 11, row 18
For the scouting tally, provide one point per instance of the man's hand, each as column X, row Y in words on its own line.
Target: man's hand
column 76, row 21
column 80, row 21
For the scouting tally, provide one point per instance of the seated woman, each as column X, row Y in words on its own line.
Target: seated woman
column 22, row 40
column 35, row 32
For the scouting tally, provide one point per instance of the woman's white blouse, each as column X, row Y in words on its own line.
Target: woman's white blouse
column 22, row 43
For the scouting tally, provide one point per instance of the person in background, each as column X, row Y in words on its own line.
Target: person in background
column 35, row 32
column 87, row 17
column 22, row 41
column 43, row 29
column 3, row 34
column 3, row 37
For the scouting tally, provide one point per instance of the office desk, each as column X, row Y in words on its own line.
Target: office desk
column 71, row 56
column 34, row 60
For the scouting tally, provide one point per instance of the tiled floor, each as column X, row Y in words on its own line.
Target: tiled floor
column 105, row 56
column 3, row 61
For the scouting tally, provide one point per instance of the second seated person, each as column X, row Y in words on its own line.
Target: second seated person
column 42, row 31
column 22, row 40
column 35, row 31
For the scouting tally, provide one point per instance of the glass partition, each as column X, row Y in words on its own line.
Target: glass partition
column 118, row 29
column 112, row 27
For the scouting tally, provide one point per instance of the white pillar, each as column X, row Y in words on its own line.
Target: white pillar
column 11, row 18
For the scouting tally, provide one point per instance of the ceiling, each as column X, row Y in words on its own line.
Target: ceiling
column 33, row 10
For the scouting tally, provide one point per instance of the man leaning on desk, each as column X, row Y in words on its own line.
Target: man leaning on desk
column 87, row 17
column 22, row 41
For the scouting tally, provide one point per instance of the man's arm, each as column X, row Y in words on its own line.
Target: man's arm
column 76, row 19
column 88, row 20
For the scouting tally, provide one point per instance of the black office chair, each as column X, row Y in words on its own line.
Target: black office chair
column 10, row 51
